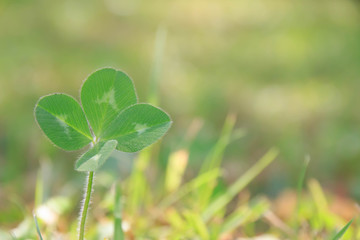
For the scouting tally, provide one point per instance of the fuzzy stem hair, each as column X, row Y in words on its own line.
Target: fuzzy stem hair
column 85, row 205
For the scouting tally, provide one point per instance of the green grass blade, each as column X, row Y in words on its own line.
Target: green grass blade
column 118, row 231
column 39, row 189
column 256, row 209
column 189, row 187
column 160, row 42
column 175, row 169
column 342, row 231
column 138, row 185
column 214, row 160
column 322, row 217
column 175, row 219
column 239, row 185
column 300, row 187
column 12, row 235
column 37, row 227
column 196, row 223
column 301, row 180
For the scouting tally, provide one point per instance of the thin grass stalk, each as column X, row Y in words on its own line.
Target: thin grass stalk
column 37, row 228
column 118, row 231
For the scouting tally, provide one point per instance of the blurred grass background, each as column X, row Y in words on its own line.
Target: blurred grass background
column 288, row 70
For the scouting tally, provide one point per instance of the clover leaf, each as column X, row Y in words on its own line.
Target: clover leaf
column 109, row 117
column 104, row 95
column 63, row 121
column 96, row 156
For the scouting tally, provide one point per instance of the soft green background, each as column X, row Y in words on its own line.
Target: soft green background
column 289, row 70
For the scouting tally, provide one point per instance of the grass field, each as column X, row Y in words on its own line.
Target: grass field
column 265, row 141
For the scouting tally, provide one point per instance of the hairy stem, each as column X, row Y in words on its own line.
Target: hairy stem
column 85, row 207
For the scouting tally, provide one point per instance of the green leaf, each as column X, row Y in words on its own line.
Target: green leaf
column 104, row 95
column 222, row 201
column 63, row 121
column 245, row 214
column 118, row 231
column 37, row 227
column 138, row 127
column 95, row 157
column 189, row 187
column 197, row 223
column 342, row 231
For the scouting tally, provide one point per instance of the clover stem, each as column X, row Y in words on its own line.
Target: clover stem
column 85, row 207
